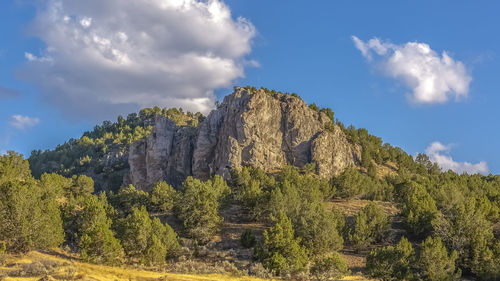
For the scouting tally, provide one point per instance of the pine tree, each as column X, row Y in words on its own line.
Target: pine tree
column 370, row 225
column 96, row 240
column 167, row 237
column 392, row 262
column 434, row 263
column 163, row 197
column 147, row 240
column 136, row 232
column 29, row 215
column 419, row 209
column 155, row 253
column 198, row 207
column 332, row 266
column 279, row 250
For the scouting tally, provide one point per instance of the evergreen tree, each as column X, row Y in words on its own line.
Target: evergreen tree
column 279, row 250
column 156, row 252
column 96, row 240
column 198, row 207
column 147, row 240
column 351, row 183
column 166, row 236
column 369, row 225
column 29, row 215
column 135, row 233
column 392, row 262
column 82, row 185
column 419, row 210
column 434, row 263
column 465, row 229
column 301, row 199
column 128, row 198
column 330, row 267
column 249, row 187
column 163, row 197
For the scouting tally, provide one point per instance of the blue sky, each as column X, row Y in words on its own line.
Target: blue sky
column 284, row 45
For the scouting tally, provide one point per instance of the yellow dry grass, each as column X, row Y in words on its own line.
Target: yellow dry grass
column 86, row 271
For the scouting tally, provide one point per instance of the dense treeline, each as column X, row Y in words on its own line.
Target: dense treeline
column 55, row 211
column 448, row 217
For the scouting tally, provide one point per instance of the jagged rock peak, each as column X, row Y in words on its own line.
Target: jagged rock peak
column 250, row 128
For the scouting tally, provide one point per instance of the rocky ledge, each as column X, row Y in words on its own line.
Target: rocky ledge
column 249, row 128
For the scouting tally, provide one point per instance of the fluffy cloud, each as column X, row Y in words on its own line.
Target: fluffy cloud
column 23, row 122
column 432, row 78
column 438, row 153
column 114, row 56
column 6, row 93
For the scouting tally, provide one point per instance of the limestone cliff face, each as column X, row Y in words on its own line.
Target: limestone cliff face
column 166, row 155
column 248, row 129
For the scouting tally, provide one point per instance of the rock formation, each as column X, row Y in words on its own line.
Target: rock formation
column 247, row 129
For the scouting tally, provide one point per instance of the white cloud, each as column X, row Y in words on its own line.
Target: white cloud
column 85, row 22
column 439, row 153
column 114, row 56
column 23, row 122
column 33, row 58
column 432, row 78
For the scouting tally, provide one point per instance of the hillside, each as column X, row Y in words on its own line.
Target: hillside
column 264, row 186
column 258, row 128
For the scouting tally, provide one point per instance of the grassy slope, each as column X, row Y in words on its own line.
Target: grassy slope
column 85, row 271
column 69, row 269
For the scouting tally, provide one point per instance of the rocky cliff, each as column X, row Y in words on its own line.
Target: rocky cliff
column 247, row 129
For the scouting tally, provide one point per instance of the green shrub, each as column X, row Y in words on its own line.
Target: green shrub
column 465, row 229
column 247, row 238
column 434, row 263
column 301, row 199
column 136, row 232
column 147, row 240
column 314, row 107
column 279, row 250
column 197, row 207
column 391, row 262
column 419, row 210
column 330, row 267
column 351, row 183
column 97, row 243
column 221, row 189
column 370, row 225
column 163, row 197
column 128, row 198
column 29, row 214
column 249, row 187
column 155, row 252
column 167, row 237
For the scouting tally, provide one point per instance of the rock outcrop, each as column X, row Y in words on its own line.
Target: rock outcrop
column 165, row 155
column 247, row 129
